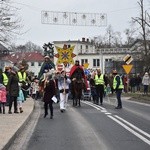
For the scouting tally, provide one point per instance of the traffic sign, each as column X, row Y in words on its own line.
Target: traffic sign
column 60, row 67
column 128, row 59
column 85, row 65
column 127, row 68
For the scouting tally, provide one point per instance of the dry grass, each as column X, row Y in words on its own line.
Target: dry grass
column 138, row 97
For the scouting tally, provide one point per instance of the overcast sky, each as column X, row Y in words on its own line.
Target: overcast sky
column 119, row 13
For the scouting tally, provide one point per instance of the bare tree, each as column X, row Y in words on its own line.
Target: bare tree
column 117, row 39
column 27, row 47
column 142, row 21
column 31, row 47
column 109, row 35
column 130, row 32
column 9, row 21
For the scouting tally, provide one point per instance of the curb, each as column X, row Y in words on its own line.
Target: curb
column 11, row 140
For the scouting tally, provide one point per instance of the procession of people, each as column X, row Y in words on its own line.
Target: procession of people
column 55, row 86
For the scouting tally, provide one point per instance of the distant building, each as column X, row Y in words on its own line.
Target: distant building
column 33, row 59
column 98, row 57
column 4, row 51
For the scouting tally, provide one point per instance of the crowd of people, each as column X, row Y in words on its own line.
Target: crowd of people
column 13, row 83
column 16, row 85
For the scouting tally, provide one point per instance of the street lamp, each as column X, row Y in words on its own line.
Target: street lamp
column 101, row 60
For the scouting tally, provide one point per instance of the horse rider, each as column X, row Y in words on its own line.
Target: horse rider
column 47, row 65
column 100, row 83
column 77, row 71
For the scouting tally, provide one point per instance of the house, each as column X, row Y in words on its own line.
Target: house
column 33, row 59
column 4, row 51
column 105, row 58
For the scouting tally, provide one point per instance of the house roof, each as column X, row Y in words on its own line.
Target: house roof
column 28, row 56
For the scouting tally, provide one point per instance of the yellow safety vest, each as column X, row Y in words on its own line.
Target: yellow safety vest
column 5, row 79
column 22, row 77
column 115, row 83
column 99, row 80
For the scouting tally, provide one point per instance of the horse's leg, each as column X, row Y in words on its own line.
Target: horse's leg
column 79, row 102
column 73, row 101
column 73, row 98
column 76, row 100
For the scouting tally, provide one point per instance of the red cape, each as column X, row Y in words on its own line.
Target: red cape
column 74, row 68
column 72, row 71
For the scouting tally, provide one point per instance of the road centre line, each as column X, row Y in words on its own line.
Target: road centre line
column 91, row 105
column 102, row 108
column 107, row 113
column 123, row 125
column 130, row 130
column 133, row 126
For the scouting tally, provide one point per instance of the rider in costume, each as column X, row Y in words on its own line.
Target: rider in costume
column 77, row 72
column 47, row 65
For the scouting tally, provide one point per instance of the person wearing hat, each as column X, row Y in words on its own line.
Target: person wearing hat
column 63, row 86
column 77, row 71
column 146, row 82
column 118, row 87
column 47, row 65
column 13, row 89
column 100, row 81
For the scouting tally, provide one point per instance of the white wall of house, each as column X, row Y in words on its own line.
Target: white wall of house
column 34, row 67
column 89, row 52
column 85, row 51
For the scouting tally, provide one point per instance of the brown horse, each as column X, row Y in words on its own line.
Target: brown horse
column 77, row 87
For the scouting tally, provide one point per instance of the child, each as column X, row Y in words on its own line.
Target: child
column 2, row 97
column 20, row 99
column 35, row 89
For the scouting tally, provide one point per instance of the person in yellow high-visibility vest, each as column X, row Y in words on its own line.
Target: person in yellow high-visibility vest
column 118, row 87
column 100, row 81
column 22, row 75
column 5, row 79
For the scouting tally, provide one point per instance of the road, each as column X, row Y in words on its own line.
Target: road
column 93, row 127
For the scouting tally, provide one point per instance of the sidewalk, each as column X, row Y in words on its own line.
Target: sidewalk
column 12, row 124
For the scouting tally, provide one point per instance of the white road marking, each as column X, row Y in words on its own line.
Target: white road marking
column 130, row 130
column 107, row 113
column 102, row 108
column 133, row 126
column 91, row 105
column 122, row 124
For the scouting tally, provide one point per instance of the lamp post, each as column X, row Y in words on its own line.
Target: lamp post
column 101, row 60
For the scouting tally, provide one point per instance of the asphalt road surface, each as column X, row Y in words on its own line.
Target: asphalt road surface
column 93, row 127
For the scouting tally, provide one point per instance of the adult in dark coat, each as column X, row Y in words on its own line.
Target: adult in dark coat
column 49, row 92
column 132, row 83
column 13, row 89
